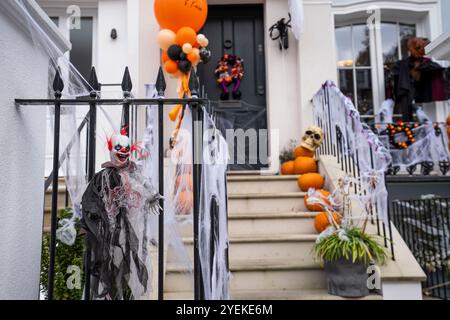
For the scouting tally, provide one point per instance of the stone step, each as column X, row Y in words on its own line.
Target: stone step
column 304, row 294
column 262, row 184
column 263, row 275
column 266, row 202
column 264, row 247
column 265, row 223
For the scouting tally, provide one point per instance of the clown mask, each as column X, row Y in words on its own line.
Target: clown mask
column 120, row 149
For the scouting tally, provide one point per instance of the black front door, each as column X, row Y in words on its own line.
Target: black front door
column 239, row 30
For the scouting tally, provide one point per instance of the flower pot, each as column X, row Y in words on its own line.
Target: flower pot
column 347, row 279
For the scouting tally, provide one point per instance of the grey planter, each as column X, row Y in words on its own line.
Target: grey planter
column 347, row 279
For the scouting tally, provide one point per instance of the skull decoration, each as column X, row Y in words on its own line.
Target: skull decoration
column 312, row 138
column 119, row 146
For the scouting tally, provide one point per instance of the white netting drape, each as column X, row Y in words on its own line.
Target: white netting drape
column 335, row 112
column 297, row 17
column 431, row 140
column 213, row 236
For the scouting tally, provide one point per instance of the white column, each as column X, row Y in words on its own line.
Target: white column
column 317, row 55
column 282, row 86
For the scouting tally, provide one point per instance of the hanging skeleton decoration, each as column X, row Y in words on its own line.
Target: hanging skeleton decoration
column 279, row 31
column 312, row 139
column 115, row 207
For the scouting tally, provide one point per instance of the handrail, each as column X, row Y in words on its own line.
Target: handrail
column 336, row 115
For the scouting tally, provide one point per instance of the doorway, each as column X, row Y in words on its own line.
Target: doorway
column 239, row 30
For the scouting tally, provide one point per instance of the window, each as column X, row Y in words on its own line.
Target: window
column 81, row 53
column 355, row 66
column 357, row 53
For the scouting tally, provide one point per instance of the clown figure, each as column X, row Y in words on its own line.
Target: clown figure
column 115, row 207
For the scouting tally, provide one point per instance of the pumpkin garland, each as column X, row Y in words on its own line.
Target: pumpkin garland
column 230, row 70
column 393, row 130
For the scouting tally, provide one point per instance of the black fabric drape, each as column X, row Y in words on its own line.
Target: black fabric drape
column 114, row 246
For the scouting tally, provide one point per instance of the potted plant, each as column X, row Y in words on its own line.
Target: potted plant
column 347, row 253
column 345, row 248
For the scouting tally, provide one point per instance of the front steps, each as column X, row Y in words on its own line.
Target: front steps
column 271, row 240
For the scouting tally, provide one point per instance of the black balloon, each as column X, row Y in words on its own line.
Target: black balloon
column 205, row 55
column 174, row 52
column 184, row 66
column 183, row 56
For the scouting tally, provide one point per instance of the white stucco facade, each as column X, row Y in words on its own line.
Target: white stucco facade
column 25, row 75
column 292, row 76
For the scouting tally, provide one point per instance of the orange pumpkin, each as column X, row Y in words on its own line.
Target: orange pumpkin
column 185, row 202
column 310, row 180
column 321, row 221
column 448, row 120
column 287, row 168
column 304, row 165
column 185, row 179
column 317, row 207
column 448, row 131
column 303, row 152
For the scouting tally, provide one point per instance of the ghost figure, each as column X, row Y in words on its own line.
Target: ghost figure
column 312, row 139
column 115, row 208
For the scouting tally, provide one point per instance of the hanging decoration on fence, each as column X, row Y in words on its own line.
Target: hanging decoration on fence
column 230, row 70
column 182, row 48
column 213, row 231
column 181, row 188
column 116, row 207
column 406, row 132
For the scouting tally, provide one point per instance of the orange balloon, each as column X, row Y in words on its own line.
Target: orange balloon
column 194, row 56
column 186, row 35
column 164, row 57
column 175, row 14
column 171, row 66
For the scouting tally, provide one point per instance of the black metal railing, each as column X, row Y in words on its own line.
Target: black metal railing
column 336, row 145
column 194, row 102
column 424, row 225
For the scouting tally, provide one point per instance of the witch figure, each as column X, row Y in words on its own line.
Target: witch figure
column 116, row 207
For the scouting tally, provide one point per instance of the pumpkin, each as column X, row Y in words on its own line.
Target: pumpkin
column 287, row 168
column 185, row 202
column 185, row 180
column 448, row 120
column 321, row 222
column 448, row 131
column 304, row 165
column 310, row 180
column 317, row 207
column 303, row 152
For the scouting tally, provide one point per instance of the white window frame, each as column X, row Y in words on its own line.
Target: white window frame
column 58, row 10
column 63, row 17
column 426, row 15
